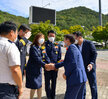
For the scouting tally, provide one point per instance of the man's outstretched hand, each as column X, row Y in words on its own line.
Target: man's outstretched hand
column 49, row 66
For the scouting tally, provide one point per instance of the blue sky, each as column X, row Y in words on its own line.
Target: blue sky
column 21, row 7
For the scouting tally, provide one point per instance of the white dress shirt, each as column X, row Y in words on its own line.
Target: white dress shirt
column 80, row 47
column 9, row 56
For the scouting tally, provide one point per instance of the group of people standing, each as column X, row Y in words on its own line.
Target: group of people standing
column 79, row 63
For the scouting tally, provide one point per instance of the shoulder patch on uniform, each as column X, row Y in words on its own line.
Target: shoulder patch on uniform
column 23, row 42
column 10, row 41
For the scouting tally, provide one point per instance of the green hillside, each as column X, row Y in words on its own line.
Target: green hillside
column 75, row 16
column 79, row 16
column 4, row 16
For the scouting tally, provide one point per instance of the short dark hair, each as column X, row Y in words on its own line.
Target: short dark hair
column 70, row 37
column 78, row 33
column 6, row 27
column 24, row 27
column 51, row 31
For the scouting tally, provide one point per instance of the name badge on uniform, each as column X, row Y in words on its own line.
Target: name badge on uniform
column 43, row 56
column 56, row 52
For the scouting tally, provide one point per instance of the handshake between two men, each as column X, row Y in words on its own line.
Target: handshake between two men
column 50, row 66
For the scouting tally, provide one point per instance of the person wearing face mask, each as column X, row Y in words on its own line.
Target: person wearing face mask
column 37, row 59
column 54, row 53
column 89, row 55
column 24, row 32
column 75, row 74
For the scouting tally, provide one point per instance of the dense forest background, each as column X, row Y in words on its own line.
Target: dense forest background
column 75, row 16
column 68, row 21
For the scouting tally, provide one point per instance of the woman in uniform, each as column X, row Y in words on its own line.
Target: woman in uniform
column 37, row 59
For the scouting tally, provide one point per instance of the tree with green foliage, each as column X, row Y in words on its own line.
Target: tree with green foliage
column 75, row 28
column 65, row 31
column 101, row 34
column 44, row 28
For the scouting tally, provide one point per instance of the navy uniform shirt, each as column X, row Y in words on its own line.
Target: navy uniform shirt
column 53, row 51
column 37, row 58
column 21, row 44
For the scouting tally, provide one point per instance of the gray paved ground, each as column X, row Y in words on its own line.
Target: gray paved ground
column 102, row 80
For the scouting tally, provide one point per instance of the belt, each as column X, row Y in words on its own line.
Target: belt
column 6, row 84
column 9, row 88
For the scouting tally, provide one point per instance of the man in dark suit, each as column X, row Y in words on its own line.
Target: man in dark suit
column 74, row 70
column 89, row 55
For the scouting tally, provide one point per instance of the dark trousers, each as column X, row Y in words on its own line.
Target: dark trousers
column 93, row 84
column 75, row 92
column 50, row 83
column 8, row 91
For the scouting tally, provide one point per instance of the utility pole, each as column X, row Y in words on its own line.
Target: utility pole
column 100, row 14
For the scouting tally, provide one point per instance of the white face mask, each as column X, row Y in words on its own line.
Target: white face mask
column 51, row 39
column 76, row 42
column 41, row 41
column 27, row 35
